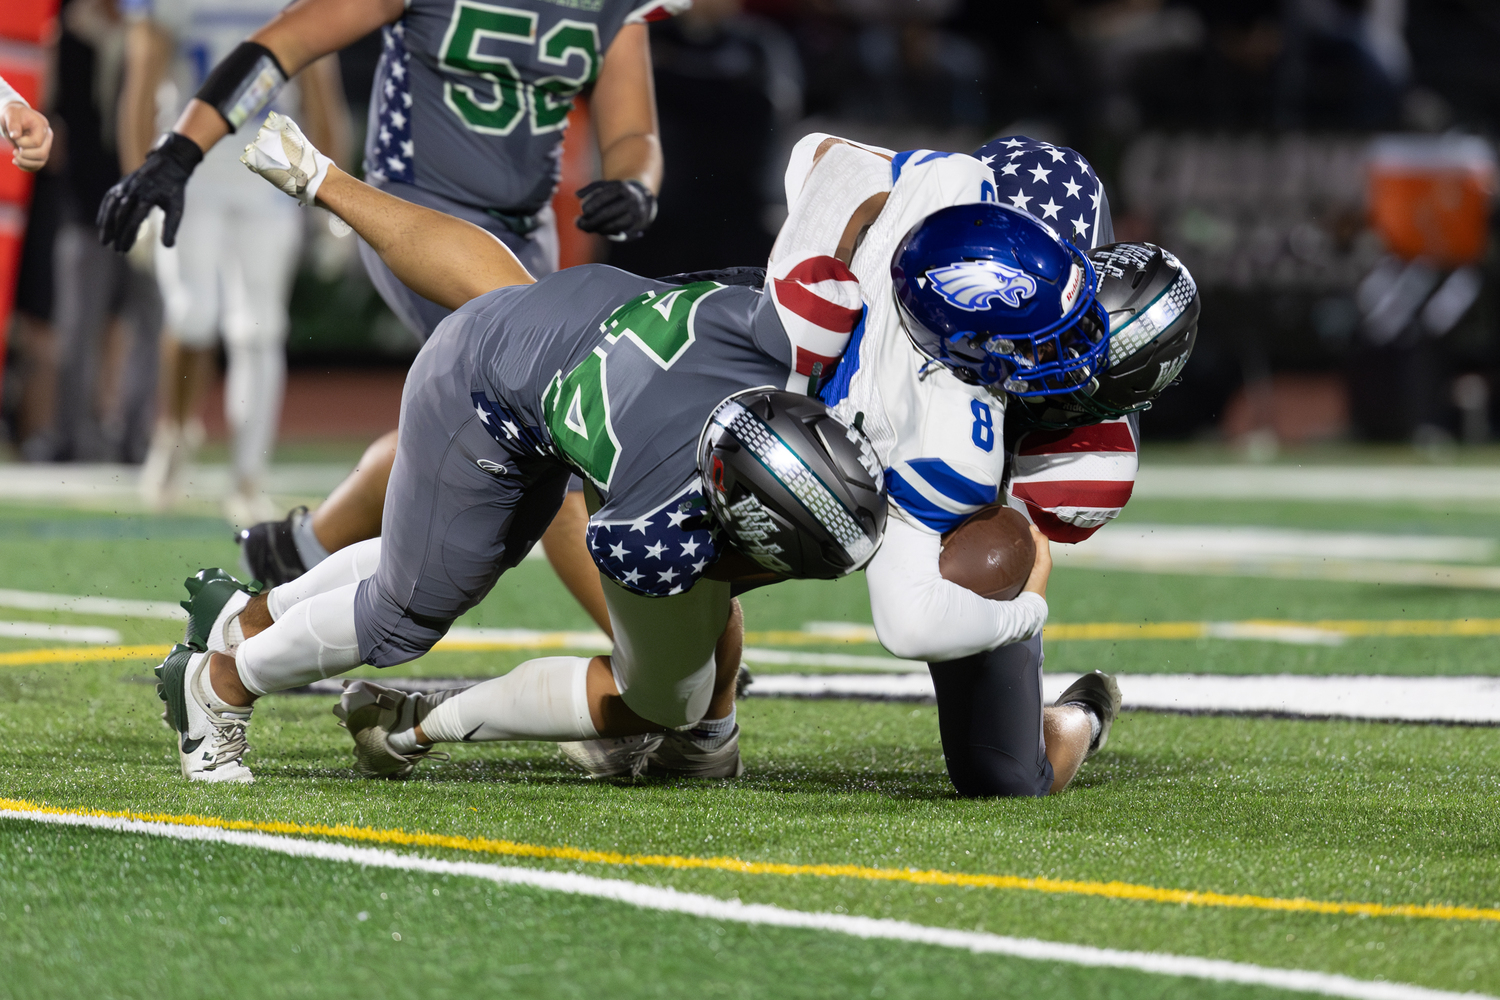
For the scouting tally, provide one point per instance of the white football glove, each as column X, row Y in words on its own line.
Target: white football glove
column 282, row 155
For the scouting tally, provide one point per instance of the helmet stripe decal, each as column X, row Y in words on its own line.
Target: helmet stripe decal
column 800, row 481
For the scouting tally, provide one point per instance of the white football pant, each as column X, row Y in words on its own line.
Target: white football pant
column 231, row 272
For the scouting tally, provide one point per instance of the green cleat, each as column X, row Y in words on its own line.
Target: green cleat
column 211, row 744
column 214, row 598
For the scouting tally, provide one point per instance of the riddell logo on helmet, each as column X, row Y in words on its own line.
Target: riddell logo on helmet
column 974, row 285
column 1071, row 289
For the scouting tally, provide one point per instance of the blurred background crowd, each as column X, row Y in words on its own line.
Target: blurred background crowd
column 1324, row 167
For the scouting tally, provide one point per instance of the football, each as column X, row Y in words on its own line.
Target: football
column 991, row 553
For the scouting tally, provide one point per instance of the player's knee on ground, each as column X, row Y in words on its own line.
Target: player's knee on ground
column 984, row 772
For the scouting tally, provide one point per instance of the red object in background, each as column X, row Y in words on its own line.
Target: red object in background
column 579, row 167
column 26, row 26
column 1430, row 196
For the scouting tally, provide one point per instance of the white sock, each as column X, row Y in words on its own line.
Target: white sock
column 1095, row 725
column 312, row 640
column 211, row 697
column 403, row 741
column 231, row 633
column 309, row 549
column 234, row 634
column 711, row 734
column 542, row 699
column 350, row 564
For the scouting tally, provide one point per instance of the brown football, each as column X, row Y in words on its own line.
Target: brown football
column 991, row 553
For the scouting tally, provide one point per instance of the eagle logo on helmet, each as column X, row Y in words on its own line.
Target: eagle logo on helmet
column 973, row 285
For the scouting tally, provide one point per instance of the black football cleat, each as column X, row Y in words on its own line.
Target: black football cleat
column 268, row 552
column 1101, row 695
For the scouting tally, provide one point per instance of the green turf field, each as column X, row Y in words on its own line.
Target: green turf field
column 1328, row 811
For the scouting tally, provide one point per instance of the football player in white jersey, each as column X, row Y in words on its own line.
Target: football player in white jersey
column 25, row 129
column 935, row 404
column 229, row 274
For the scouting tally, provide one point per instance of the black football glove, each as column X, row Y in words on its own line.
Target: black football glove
column 158, row 183
column 620, row 210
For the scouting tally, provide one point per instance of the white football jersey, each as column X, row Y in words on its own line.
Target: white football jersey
column 206, row 31
column 939, row 438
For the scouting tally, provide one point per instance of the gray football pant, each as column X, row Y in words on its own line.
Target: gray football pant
column 537, row 251
column 450, row 526
column 94, row 284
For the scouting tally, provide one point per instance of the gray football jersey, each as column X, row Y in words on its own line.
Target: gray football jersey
column 471, row 99
column 617, row 375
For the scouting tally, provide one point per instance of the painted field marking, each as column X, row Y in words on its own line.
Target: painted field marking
column 670, row 900
column 32, row 600
column 510, row 848
column 1322, row 633
column 59, row 633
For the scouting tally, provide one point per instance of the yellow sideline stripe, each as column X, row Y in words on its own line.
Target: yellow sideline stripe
column 510, row 848
column 1087, row 631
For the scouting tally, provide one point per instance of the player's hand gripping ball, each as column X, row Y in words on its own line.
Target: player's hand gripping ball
column 991, row 553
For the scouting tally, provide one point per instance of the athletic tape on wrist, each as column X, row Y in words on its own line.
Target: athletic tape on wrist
column 241, row 86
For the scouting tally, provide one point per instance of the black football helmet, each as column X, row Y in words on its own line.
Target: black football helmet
column 1153, row 306
column 797, row 490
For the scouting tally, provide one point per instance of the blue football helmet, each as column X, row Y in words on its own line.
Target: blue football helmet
column 991, row 293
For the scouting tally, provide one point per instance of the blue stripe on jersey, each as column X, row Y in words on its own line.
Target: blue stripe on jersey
column 836, row 389
column 956, row 487
column 899, row 161
column 909, row 499
column 918, row 506
column 932, row 156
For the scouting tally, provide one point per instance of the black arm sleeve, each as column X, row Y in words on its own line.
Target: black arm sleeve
column 990, row 718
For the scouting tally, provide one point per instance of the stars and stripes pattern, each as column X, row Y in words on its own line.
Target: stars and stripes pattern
column 661, row 553
column 936, row 493
column 392, row 155
column 506, row 428
column 818, row 302
column 657, row 10
column 1053, row 183
column 1071, row 483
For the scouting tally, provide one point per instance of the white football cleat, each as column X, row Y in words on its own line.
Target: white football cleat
column 211, row 745
column 613, row 756
column 283, row 155
column 372, row 712
column 680, row 755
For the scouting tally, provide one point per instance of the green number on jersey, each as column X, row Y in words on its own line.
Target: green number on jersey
column 473, row 23
column 552, row 96
column 496, row 109
column 576, row 406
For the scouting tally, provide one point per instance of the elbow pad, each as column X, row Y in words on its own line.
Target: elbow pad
column 241, row 86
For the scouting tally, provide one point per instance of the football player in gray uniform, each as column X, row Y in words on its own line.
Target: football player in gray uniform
column 467, row 115
column 670, row 398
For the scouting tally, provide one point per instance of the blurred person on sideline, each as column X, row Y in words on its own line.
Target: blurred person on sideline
column 231, row 275
column 467, row 116
column 27, row 392
column 724, row 79
column 92, row 288
column 26, row 129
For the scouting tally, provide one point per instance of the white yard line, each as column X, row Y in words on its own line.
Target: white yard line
column 30, row 600
column 1126, row 541
column 86, row 482
column 1330, row 483
column 59, row 633
column 1467, row 700
column 759, row 914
